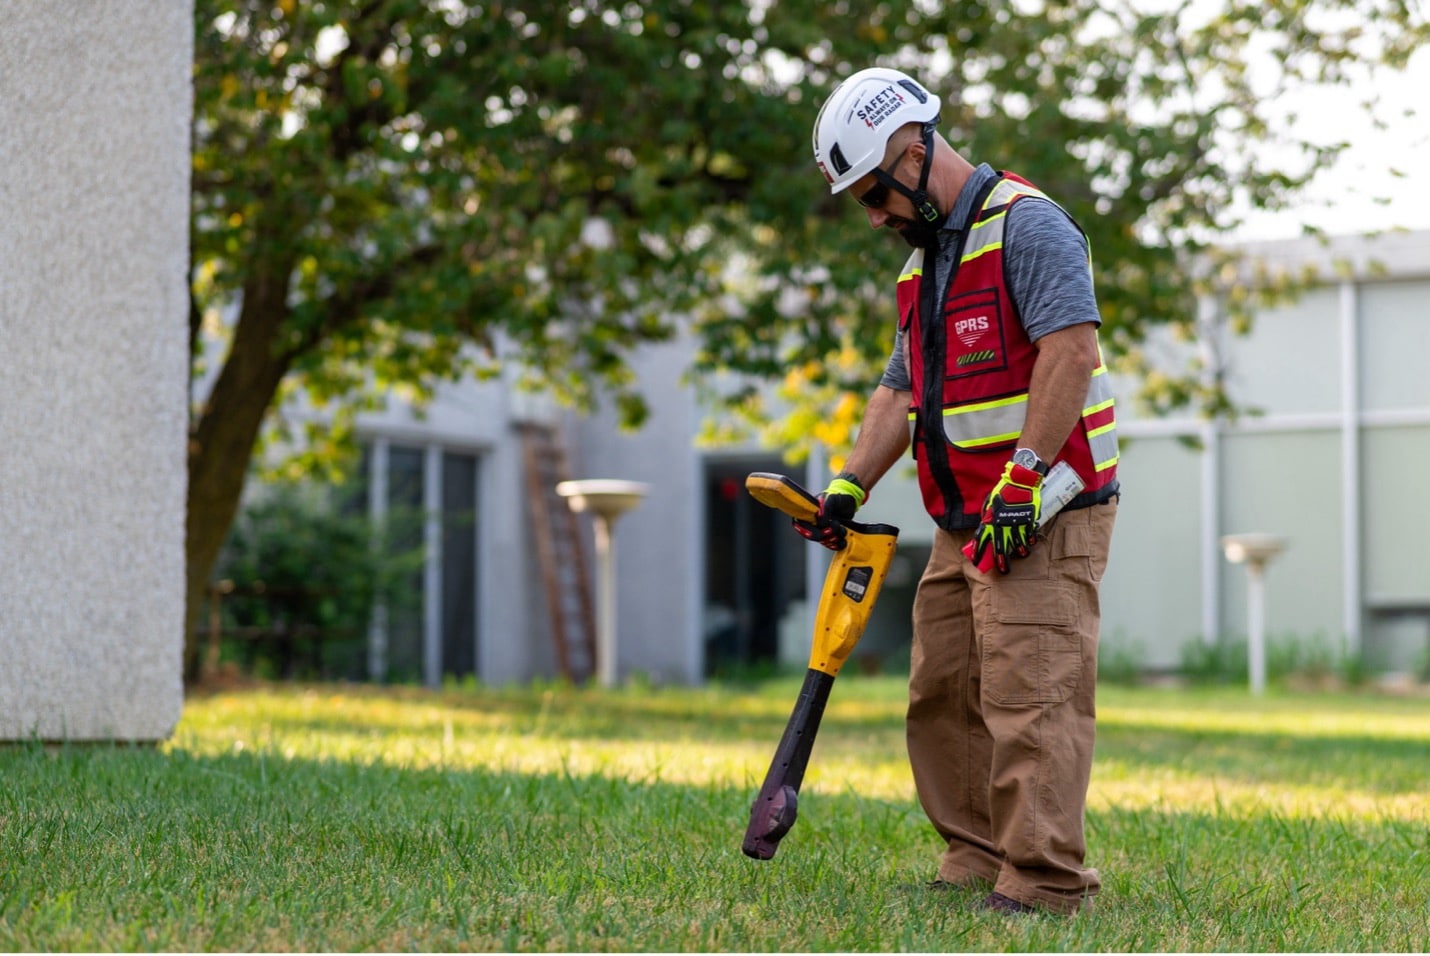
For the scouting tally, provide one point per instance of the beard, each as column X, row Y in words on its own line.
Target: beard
column 918, row 233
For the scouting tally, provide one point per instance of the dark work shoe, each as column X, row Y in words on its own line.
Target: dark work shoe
column 1006, row 905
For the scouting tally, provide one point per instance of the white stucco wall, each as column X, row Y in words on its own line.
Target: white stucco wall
column 656, row 547
column 95, row 101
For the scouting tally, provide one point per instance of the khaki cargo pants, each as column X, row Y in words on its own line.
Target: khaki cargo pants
column 1001, row 709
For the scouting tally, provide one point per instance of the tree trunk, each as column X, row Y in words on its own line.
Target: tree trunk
column 222, row 439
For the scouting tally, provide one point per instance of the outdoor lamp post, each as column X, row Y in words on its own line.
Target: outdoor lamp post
column 606, row 500
column 1255, row 551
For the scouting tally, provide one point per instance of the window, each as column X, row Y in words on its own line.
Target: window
column 426, row 499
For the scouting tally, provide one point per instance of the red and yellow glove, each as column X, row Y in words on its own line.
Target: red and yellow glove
column 1009, row 521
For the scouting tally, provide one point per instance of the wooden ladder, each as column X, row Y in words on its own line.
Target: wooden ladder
column 561, row 553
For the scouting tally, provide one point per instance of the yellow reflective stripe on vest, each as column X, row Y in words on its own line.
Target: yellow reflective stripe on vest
column 913, row 267
column 1102, row 441
column 985, row 423
column 1001, row 420
column 987, row 235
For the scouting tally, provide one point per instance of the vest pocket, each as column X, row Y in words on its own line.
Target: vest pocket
column 975, row 339
column 1033, row 654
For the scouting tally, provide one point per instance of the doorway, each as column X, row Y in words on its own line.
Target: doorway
column 754, row 570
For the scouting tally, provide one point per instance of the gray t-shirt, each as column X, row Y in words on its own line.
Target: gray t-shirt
column 1044, row 259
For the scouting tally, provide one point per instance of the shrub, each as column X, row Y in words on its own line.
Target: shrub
column 1120, row 660
column 1316, row 660
column 301, row 576
column 1223, row 661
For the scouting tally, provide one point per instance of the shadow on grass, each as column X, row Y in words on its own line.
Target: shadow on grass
column 117, row 848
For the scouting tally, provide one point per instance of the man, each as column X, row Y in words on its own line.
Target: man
column 996, row 375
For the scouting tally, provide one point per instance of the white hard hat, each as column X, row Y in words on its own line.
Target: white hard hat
column 855, row 123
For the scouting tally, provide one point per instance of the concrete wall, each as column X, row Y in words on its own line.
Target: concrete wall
column 95, row 101
column 657, row 547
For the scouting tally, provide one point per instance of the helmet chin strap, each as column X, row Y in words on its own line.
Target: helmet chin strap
column 923, row 206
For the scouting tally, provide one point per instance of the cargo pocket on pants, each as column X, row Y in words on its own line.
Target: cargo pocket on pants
column 1033, row 654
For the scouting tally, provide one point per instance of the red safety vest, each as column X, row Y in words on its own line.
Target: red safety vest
column 966, row 418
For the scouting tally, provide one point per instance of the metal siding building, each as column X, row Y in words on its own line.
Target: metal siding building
column 1338, row 383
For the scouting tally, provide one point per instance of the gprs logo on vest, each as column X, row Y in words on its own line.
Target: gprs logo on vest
column 970, row 330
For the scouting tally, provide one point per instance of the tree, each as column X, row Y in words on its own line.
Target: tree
column 401, row 191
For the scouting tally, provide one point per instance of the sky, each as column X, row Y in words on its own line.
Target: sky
column 1340, row 200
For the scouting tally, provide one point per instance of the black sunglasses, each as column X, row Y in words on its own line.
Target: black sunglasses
column 876, row 195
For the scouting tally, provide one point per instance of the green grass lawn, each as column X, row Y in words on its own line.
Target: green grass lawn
column 351, row 818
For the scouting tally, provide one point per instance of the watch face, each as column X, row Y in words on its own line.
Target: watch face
column 1027, row 458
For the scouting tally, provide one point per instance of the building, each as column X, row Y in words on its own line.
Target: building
column 707, row 579
column 1338, row 380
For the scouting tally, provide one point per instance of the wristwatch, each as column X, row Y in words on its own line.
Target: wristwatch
column 1027, row 458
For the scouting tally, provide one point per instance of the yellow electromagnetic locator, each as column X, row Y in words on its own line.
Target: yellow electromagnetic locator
column 782, row 494
column 851, row 587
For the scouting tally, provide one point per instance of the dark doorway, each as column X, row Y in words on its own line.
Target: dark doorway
column 754, row 569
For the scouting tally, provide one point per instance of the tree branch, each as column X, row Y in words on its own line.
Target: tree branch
column 353, row 303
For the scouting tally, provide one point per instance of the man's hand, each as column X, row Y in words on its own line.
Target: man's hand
column 1010, row 518
column 837, row 504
